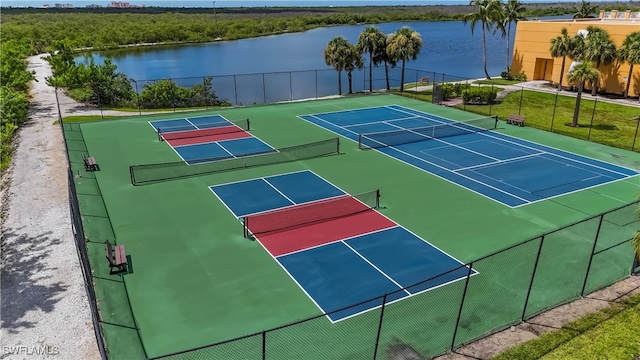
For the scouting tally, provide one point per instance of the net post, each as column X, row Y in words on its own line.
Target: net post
column 495, row 126
column 377, row 198
column 133, row 177
column 337, row 145
column 160, row 138
column 360, row 141
column 245, row 227
column 248, row 124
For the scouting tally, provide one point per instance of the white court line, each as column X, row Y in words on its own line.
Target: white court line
column 384, row 122
column 437, row 118
column 412, row 165
column 375, row 267
column 448, row 143
column 499, row 162
column 343, row 241
column 335, row 241
column 279, row 192
column 405, row 297
column 293, row 278
column 561, row 150
column 194, row 125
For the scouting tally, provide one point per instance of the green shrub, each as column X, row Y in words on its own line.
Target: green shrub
column 508, row 75
column 447, row 91
column 479, row 95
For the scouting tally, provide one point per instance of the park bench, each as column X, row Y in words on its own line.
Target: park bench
column 117, row 258
column 90, row 163
column 515, row 119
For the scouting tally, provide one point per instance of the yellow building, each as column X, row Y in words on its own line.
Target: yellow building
column 531, row 54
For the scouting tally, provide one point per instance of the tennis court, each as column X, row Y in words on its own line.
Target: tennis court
column 336, row 247
column 208, row 138
column 220, row 250
column 511, row 171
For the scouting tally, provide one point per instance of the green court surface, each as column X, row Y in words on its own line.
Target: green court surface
column 196, row 280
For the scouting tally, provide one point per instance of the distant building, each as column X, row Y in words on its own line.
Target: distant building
column 531, row 54
column 123, row 5
column 94, row 6
column 63, row 6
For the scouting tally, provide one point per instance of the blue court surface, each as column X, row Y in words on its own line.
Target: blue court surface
column 192, row 123
column 208, row 150
column 217, row 150
column 506, row 169
column 263, row 194
column 344, row 270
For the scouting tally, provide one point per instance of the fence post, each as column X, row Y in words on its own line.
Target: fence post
column 264, row 344
column 290, row 88
column 593, row 249
column 521, row 94
column 464, row 294
column 316, row 85
column 264, row 90
column 491, row 102
column 533, row 274
column 138, row 98
column 204, row 92
column 375, row 350
column 633, row 145
column 593, row 114
column 235, row 90
column 553, row 116
column 100, row 101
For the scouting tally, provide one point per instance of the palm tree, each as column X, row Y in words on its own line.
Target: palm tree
column 630, row 52
column 585, row 11
column 561, row 46
column 353, row 61
column 403, row 45
column 581, row 74
column 487, row 11
column 600, row 49
column 373, row 42
column 512, row 12
column 335, row 55
column 383, row 57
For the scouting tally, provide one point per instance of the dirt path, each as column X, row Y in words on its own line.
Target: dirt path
column 44, row 309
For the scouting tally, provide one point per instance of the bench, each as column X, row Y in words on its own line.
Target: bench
column 424, row 80
column 515, row 119
column 117, row 258
column 90, row 163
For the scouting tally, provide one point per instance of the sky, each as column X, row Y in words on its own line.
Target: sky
column 250, row 3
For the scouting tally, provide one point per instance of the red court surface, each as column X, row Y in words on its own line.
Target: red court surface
column 307, row 236
column 207, row 138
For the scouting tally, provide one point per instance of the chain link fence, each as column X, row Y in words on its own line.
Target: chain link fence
column 511, row 286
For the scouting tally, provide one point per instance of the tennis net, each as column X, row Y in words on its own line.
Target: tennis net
column 410, row 135
column 310, row 213
column 152, row 173
column 205, row 129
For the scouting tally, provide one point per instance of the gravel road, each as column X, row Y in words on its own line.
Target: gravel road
column 44, row 311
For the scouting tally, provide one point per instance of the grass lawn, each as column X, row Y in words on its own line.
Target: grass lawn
column 601, row 122
column 611, row 333
column 497, row 81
